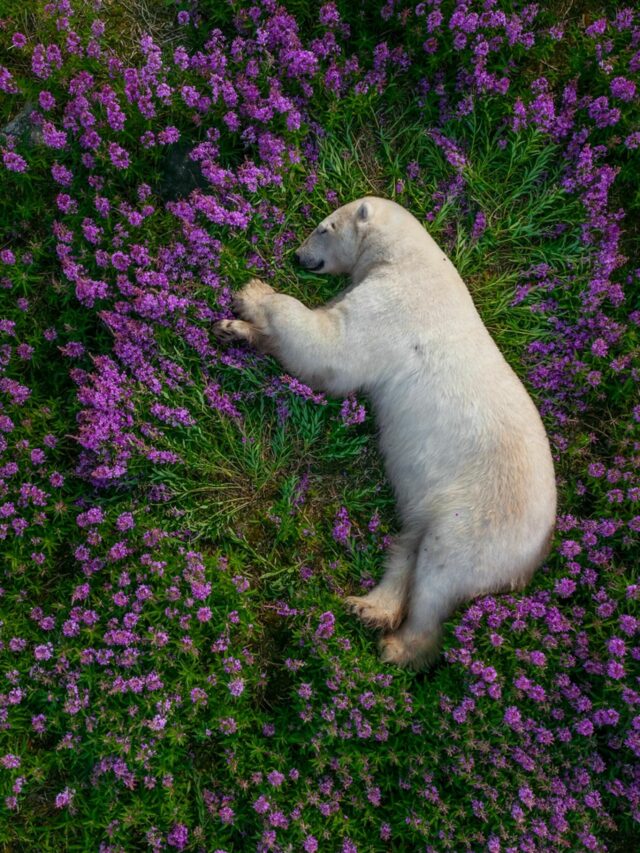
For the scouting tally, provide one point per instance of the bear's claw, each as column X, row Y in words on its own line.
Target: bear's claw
column 373, row 614
column 248, row 298
column 415, row 654
column 223, row 330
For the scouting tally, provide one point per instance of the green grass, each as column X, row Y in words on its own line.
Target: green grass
column 235, row 498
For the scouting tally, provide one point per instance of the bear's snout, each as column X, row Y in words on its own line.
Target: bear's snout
column 307, row 260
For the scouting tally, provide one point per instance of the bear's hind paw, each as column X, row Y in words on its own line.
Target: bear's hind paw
column 375, row 615
column 418, row 653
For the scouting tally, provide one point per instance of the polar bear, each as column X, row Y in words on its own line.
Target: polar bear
column 463, row 444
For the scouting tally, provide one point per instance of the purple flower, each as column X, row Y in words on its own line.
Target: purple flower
column 569, row 548
column 168, row 136
column 602, row 114
column 617, row 647
column 7, row 83
column 584, row 727
column 157, row 723
column 632, row 141
column 118, row 156
column 52, row 137
column 228, row 726
column 46, row 100
column 64, row 798
column 565, row 587
column 197, row 694
column 615, row 670
column 479, row 226
column 597, row 28
column 217, row 399
column 623, row 89
column 236, row 687
column 204, row 614
column 94, row 515
column 352, row 412
column 226, row 814
column 628, row 624
column 451, row 150
column 43, row 652
column 178, row 837
column 262, row 805
column 275, row 778
column 305, row 691
column 489, row 674
column 326, row 626
column 14, row 162
column 512, row 717
column 329, row 15
column 65, row 203
column 125, row 521
column 38, row 723
column 342, row 526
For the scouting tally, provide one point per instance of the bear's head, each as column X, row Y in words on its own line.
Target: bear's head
column 335, row 246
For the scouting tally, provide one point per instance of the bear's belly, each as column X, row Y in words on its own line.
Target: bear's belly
column 482, row 450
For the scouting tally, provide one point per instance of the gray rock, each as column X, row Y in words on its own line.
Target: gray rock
column 22, row 127
column 180, row 175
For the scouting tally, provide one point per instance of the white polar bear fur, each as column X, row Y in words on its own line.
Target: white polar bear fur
column 463, row 444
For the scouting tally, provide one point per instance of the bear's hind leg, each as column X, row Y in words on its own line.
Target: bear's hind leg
column 384, row 606
column 441, row 580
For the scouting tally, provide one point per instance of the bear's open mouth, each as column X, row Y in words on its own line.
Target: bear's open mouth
column 317, row 267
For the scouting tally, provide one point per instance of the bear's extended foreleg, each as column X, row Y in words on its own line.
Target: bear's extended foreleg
column 311, row 344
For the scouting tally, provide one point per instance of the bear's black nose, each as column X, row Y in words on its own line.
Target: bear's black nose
column 296, row 255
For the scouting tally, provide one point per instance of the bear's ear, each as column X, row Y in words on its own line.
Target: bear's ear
column 364, row 213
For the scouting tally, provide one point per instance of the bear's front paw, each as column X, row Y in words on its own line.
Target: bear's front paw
column 248, row 300
column 235, row 330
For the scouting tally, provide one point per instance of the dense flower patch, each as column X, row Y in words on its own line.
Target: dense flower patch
column 178, row 521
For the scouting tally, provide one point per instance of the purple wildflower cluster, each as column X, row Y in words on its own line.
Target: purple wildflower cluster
column 140, row 665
